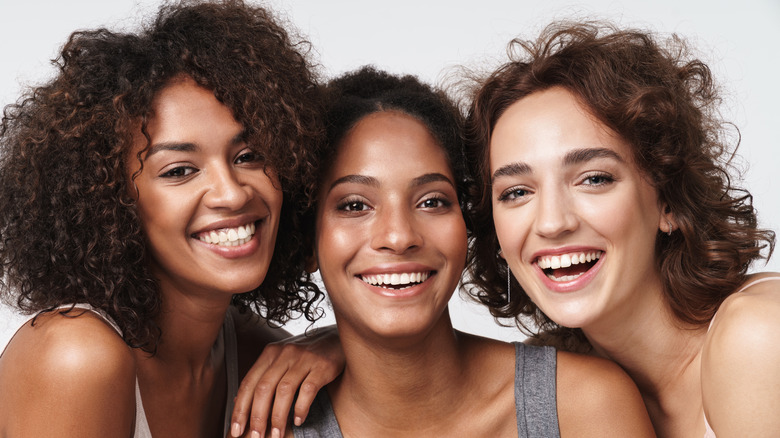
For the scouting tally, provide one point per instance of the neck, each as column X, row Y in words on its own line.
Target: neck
column 660, row 353
column 385, row 380
column 190, row 326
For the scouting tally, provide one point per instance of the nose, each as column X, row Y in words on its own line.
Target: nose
column 226, row 189
column 555, row 215
column 395, row 231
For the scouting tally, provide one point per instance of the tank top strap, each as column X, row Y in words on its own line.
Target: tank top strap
column 758, row 281
column 535, row 391
column 231, row 366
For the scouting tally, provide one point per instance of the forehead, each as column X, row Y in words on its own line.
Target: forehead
column 549, row 123
column 389, row 142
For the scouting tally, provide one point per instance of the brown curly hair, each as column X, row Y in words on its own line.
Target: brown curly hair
column 69, row 231
column 664, row 104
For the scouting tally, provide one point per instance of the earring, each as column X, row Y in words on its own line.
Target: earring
column 668, row 222
column 508, row 284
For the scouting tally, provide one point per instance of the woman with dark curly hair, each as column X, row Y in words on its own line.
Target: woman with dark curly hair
column 391, row 244
column 605, row 215
column 142, row 191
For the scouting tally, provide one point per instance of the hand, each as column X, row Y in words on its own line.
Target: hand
column 305, row 363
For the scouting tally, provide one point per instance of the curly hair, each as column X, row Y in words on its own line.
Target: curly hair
column 664, row 104
column 69, row 230
column 355, row 95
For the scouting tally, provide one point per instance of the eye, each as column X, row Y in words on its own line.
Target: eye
column 598, row 179
column 513, row 194
column 179, row 172
column 249, row 156
column 352, row 205
column 435, row 202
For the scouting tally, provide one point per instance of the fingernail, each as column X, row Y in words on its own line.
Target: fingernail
column 235, row 430
column 276, row 433
column 298, row 421
column 255, row 434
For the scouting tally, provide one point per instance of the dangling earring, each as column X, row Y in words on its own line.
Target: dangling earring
column 508, row 284
column 668, row 222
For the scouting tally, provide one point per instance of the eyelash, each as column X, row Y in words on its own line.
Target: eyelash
column 605, row 177
column 188, row 170
column 443, row 202
column 347, row 204
column 507, row 195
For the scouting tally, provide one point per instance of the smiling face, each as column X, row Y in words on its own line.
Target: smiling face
column 390, row 237
column 209, row 210
column 575, row 218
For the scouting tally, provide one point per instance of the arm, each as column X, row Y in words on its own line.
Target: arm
column 596, row 398
column 740, row 372
column 71, row 375
column 302, row 364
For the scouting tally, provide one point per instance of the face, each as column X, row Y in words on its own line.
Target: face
column 575, row 218
column 391, row 241
column 209, row 210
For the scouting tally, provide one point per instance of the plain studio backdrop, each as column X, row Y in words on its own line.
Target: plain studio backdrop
column 432, row 39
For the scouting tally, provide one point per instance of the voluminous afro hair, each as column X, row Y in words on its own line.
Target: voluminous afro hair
column 69, row 231
column 664, row 104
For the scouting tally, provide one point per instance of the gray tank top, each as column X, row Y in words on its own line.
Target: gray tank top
column 535, row 402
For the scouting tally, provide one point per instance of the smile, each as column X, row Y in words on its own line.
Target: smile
column 229, row 236
column 568, row 267
column 399, row 280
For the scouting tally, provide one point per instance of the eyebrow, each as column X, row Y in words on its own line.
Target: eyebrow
column 576, row 156
column 373, row 182
column 188, row 146
column 429, row 178
column 356, row 179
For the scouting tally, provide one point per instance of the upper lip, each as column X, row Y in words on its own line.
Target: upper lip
column 562, row 250
column 232, row 222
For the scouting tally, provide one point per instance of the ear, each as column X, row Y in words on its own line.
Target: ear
column 501, row 254
column 667, row 223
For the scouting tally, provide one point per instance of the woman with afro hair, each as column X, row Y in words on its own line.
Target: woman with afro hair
column 148, row 216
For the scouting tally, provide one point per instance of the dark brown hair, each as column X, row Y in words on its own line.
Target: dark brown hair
column 664, row 104
column 69, row 231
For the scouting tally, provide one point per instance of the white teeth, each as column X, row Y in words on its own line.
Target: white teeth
column 229, row 236
column 566, row 260
column 404, row 279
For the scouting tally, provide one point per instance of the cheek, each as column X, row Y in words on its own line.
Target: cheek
column 335, row 245
column 511, row 230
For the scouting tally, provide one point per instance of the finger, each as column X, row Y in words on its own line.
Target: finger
column 246, row 391
column 263, row 398
column 285, row 395
column 306, row 395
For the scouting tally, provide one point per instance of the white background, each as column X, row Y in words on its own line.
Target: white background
column 739, row 40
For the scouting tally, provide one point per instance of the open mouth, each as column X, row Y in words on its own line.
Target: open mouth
column 229, row 236
column 568, row 267
column 396, row 280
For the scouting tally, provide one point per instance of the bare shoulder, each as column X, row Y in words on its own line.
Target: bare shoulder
column 739, row 369
column 62, row 368
column 754, row 308
column 597, row 398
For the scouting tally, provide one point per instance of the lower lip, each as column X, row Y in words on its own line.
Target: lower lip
column 573, row 285
column 234, row 252
column 407, row 292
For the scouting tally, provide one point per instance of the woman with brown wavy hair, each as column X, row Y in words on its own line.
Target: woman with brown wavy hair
column 605, row 215
column 148, row 215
